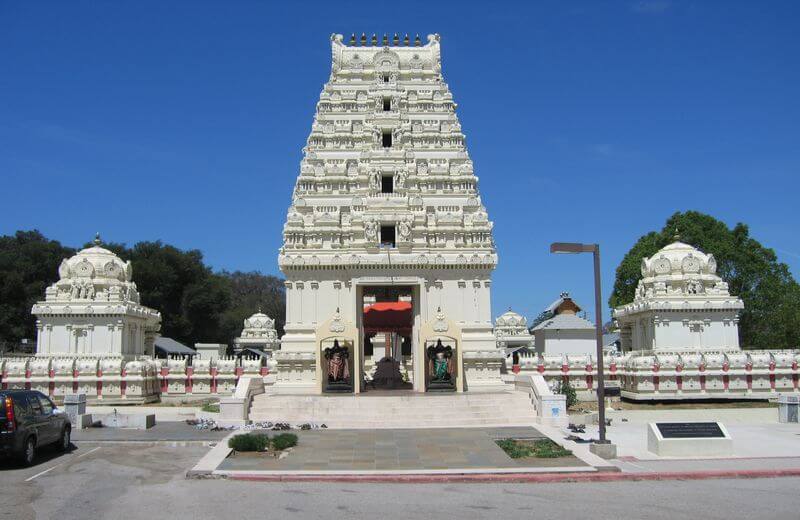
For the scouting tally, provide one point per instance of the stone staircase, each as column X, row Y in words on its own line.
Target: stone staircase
column 402, row 410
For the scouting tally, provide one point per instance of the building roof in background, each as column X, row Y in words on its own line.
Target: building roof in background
column 170, row 346
column 564, row 322
column 564, row 297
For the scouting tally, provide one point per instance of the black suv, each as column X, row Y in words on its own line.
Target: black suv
column 29, row 420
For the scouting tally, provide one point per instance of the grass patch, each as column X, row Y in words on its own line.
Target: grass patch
column 210, row 407
column 539, row 448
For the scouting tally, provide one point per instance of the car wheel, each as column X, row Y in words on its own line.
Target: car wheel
column 64, row 443
column 28, row 454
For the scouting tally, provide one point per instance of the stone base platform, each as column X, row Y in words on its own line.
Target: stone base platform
column 387, row 410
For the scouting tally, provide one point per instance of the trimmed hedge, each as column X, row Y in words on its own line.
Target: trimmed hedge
column 249, row 442
column 283, row 441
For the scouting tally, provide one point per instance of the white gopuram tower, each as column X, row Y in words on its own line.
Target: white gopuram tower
column 386, row 217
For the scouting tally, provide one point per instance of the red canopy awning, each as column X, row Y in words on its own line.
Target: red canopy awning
column 388, row 317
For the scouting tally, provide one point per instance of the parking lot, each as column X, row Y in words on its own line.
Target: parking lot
column 146, row 480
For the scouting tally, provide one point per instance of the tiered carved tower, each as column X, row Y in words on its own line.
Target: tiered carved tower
column 387, row 196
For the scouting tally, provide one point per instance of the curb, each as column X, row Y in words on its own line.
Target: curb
column 520, row 478
column 156, row 442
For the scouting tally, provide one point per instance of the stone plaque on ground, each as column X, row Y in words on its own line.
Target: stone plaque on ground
column 689, row 439
column 687, row 430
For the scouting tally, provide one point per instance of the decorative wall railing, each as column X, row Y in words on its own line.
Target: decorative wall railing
column 754, row 374
column 119, row 380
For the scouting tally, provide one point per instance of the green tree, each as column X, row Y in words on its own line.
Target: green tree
column 28, row 264
column 249, row 293
column 771, row 317
column 196, row 304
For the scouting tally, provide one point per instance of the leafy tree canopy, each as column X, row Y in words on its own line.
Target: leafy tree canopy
column 28, row 264
column 771, row 317
column 196, row 304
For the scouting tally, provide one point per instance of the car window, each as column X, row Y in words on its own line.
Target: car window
column 35, row 404
column 47, row 405
column 21, row 407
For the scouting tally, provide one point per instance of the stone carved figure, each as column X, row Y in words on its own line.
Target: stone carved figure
column 404, row 230
column 375, row 181
column 694, row 287
column 337, row 358
column 400, row 180
column 441, row 374
column 371, row 231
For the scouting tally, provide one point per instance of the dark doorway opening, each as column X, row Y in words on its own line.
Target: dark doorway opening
column 387, row 184
column 388, row 236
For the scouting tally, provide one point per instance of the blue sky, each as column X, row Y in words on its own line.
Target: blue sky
column 587, row 121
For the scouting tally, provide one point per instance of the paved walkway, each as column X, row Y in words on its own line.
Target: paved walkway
column 163, row 413
column 756, row 432
column 401, row 449
column 633, row 465
column 161, row 432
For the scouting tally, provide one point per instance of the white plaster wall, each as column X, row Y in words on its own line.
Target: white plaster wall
column 100, row 334
column 718, row 331
column 573, row 342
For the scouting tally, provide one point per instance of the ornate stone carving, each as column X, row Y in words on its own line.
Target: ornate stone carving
column 337, row 325
column 440, row 323
column 371, row 231
column 679, row 282
column 404, row 230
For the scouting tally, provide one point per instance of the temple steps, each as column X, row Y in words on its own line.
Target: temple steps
column 404, row 410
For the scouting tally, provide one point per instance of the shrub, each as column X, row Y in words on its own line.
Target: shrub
column 249, row 442
column 210, row 407
column 565, row 388
column 283, row 441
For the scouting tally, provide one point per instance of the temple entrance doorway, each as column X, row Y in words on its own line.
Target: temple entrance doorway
column 387, row 328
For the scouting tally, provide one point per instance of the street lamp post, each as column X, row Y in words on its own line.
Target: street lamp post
column 568, row 247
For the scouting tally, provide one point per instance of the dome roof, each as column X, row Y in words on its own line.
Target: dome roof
column 94, row 274
column 259, row 320
column 680, row 276
column 97, row 264
column 679, row 258
column 511, row 319
column 259, row 330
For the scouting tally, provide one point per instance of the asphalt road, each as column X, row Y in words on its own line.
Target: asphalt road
column 133, row 481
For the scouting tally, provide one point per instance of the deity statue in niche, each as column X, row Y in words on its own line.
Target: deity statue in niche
column 440, row 367
column 404, row 230
column 338, row 368
column 371, row 231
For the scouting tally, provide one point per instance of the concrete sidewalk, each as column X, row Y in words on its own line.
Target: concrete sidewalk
column 162, row 413
column 756, row 432
column 173, row 432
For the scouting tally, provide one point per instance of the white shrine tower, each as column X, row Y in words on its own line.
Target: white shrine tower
column 386, row 235
column 681, row 304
